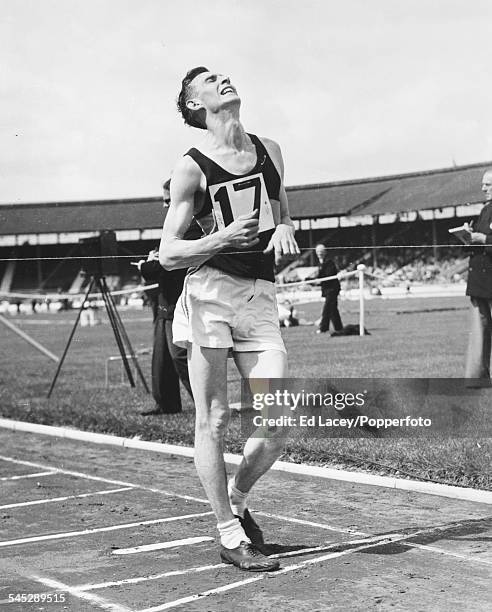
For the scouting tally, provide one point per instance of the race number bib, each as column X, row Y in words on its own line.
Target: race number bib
column 240, row 197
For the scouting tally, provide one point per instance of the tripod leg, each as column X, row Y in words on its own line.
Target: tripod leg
column 126, row 338
column 103, row 288
column 91, row 285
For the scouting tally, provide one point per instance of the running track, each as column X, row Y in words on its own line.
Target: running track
column 119, row 529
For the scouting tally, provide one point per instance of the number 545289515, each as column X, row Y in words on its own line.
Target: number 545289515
column 37, row 597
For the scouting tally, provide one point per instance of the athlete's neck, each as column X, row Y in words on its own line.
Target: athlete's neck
column 225, row 132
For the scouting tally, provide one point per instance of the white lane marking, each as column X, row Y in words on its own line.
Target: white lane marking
column 190, row 570
column 442, row 551
column 434, row 549
column 324, row 548
column 204, row 568
column 95, row 600
column 262, row 576
column 107, row 480
column 311, row 523
column 185, row 600
column 187, row 497
column 73, row 534
column 50, row 500
column 383, row 541
column 36, row 475
column 327, row 547
column 204, row 501
column 161, row 545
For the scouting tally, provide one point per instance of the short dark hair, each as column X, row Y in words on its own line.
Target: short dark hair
column 190, row 117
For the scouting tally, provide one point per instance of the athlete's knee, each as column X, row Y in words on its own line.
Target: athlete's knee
column 213, row 421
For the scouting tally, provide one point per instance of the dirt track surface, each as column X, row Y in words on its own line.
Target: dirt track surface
column 379, row 549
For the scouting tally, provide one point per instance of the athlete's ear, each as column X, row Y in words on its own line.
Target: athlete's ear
column 194, row 104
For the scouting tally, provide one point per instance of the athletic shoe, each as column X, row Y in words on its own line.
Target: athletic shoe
column 247, row 557
column 252, row 530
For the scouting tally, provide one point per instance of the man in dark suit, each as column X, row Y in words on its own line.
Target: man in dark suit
column 329, row 290
column 169, row 362
column 479, row 288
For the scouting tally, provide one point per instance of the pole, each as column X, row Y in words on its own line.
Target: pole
column 53, row 383
column 101, row 284
column 374, row 241
column 124, row 335
column 434, row 237
column 310, row 235
column 361, row 268
column 28, row 338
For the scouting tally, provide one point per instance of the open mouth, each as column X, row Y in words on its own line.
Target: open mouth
column 227, row 89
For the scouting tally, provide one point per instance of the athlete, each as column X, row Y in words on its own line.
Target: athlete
column 232, row 185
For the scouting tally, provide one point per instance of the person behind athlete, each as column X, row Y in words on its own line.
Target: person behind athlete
column 329, row 290
column 232, row 185
column 479, row 289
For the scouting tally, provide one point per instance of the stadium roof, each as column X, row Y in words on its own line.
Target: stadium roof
column 88, row 216
column 432, row 189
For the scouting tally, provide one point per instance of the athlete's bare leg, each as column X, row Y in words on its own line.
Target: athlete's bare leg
column 208, row 378
column 260, row 453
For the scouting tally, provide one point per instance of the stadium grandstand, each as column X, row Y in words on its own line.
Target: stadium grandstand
column 39, row 242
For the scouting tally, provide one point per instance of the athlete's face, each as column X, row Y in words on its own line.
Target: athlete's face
column 213, row 91
column 487, row 185
column 320, row 252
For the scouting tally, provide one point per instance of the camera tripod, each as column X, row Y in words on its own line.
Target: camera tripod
column 98, row 282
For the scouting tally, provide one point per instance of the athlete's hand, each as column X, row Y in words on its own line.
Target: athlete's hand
column 153, row 255
column 283, row 242
column 243, row 232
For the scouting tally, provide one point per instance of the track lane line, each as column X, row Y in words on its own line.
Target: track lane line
column 107, row 480
column 138, row 579
column 312, row 523
column 383, row 541
column 448, row 553
column 35, row 475
column 73, row 534
column 95, row 600
column 201, row 500
column 194, row 570
column 50, row 500
column 161, row 545
column 262, row 576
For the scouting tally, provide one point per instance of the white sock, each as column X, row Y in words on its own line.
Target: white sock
column 237, row 499
column 231, row 533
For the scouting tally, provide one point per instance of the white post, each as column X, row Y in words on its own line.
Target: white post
column 361, row 268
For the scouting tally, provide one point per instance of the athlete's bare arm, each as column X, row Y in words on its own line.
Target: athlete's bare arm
column 174, row 252
column 282, row 242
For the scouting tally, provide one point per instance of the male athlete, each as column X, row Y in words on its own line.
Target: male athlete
column 232, row 184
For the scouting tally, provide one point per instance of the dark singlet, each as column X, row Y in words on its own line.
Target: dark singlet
column 227, row 196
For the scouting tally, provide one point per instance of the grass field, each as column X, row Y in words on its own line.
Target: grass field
column 413, row 337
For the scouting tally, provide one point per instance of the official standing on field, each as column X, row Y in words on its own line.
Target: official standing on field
column 169, row 362
column 329, row 290
column 479, row 288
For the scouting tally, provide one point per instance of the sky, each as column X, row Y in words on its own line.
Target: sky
column 350, row 89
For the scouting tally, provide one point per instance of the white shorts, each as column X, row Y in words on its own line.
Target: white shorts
column 219, row 310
